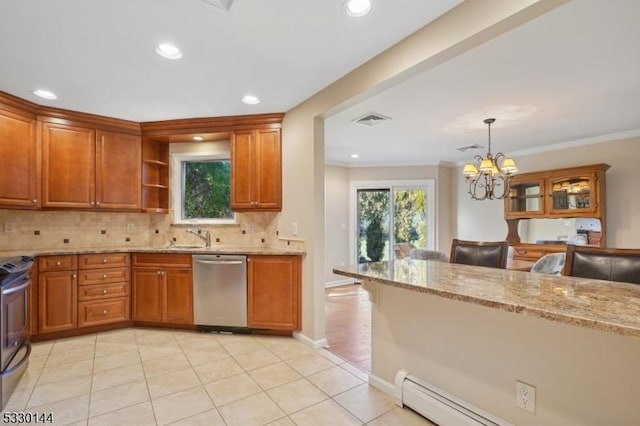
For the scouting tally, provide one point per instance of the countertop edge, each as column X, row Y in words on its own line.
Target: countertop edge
column 211, row 250
column 555, row 316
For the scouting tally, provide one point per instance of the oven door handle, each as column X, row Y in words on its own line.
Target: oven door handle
column 12, row 290
column 24, row 359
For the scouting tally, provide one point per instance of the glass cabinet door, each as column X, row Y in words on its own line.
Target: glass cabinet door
column 574, row 194
column 525, row 199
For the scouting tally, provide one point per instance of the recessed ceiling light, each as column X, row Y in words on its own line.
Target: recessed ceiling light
column 354, row 155
column 250, row 99
column 357, row 8
column 198, row 138
column 168, row 51
column 46, row 94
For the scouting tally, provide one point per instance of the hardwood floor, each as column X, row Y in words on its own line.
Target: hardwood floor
column 348, row 324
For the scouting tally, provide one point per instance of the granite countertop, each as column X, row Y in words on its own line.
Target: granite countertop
column 178, row 249
column 601, row 305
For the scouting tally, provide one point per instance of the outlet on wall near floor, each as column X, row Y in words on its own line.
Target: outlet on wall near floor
column 525, row 396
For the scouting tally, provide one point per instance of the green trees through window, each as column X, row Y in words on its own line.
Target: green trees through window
column 207, row 189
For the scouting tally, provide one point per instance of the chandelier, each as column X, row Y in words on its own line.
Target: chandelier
column 488, row 178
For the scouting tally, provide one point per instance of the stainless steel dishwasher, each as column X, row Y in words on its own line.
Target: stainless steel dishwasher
column 220, row 292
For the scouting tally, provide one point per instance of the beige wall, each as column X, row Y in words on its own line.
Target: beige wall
column 337, row 222
column 463, row 28
column 484, row 220
column 582, row 376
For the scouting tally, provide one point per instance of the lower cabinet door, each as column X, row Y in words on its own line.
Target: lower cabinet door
column 273, row 292
column 148, row 294
column 178, row 303
column 57, row 301
column 103, row 311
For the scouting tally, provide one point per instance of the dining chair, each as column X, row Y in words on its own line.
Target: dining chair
column 479, row 253
column 552, row 264
column 611, row 264
column 423, row 254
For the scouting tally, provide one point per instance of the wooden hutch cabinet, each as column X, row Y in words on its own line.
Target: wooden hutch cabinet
column 576, row 192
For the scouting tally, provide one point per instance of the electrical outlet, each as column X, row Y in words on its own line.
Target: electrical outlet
column 294, row 228
column 10, row 227
column 525, row 396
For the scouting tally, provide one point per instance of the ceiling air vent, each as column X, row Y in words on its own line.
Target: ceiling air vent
column 465, row 148
column 220, row 4
column 371, row 119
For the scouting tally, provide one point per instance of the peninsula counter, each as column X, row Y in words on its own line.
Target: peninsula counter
column 474, row 331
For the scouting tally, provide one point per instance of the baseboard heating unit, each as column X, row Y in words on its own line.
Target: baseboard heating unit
column 438, row 405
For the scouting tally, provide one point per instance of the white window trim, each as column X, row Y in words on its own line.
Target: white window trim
column 177, row 184
column 430, row 184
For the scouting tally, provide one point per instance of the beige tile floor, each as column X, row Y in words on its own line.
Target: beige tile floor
column 156, row 377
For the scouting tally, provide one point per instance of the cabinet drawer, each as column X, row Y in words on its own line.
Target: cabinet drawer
column 100, row 276
column 103, row 311
column 57, row 263
column 103, row 260
column 527, row 254
column 103, row 291
column 162, row 259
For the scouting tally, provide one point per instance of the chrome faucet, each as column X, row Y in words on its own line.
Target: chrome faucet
column 202, row 234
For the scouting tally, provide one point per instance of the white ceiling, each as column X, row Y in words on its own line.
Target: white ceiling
column 577, row 68
column 99, row 56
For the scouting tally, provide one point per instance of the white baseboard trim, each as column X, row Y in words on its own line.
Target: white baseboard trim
column 338, row 283
column 315, row 344
column 382, row 385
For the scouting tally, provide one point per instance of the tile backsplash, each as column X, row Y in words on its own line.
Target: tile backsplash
column 23, row 229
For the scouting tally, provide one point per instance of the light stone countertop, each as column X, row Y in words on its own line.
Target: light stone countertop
column 601, row 305
column 194, row 250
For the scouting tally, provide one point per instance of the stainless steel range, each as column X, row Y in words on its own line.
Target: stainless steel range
column 14, row 324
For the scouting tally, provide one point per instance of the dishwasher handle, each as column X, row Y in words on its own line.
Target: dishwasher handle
column 220, row 262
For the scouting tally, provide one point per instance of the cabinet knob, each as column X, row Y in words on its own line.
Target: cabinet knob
column 58, row 263
column 74, row 276
column 104, row 291
column 93, row 203
column 104, row 260
column 104, row 276
column 104, row 312
column 34, row 201
column 98, row 203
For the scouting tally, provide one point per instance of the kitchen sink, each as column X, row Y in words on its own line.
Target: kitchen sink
column 178, row 247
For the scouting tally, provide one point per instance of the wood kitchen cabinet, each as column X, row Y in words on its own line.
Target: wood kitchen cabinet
column 103, row 288
column 88, row 169
column 155, row 176
column 256, row 170
column 162, row 288
column 19, row 160
column 273, row 292
column 57, row 293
